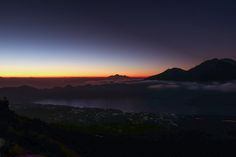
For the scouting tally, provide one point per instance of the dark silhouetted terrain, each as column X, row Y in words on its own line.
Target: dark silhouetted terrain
column 106, row 133
column 210, row 70
column 124, row 116
column 117, row 77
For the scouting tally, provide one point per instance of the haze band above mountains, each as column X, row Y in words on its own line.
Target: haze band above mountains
column 208, row 71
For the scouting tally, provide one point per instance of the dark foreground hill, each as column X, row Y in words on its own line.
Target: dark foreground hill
column 22, row 137
column 210, row 70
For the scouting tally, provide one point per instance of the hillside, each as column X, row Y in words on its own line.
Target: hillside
column 21, row 137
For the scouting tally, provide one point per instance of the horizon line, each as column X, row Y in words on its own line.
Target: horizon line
column 68, row 76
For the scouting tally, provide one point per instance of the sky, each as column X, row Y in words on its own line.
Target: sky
column 46, row 38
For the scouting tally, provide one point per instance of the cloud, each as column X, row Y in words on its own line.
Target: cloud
column 164, row 86
column 225, row 87
column 221, row 87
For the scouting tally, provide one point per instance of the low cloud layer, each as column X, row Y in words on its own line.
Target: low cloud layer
column 221, row 87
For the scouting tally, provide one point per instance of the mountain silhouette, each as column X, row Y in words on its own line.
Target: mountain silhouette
column 118, row 77
column 170, row 74
column 210, row 70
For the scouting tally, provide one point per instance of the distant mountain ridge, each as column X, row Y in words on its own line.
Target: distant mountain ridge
column 117, row 77
column 210, row 70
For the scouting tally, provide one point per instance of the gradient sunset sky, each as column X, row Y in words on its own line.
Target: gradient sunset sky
column 101, row 38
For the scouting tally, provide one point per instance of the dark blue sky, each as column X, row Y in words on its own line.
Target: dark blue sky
column 97, row 38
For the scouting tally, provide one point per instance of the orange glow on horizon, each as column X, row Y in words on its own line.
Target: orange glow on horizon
column 59, row 71
column 68, row 75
